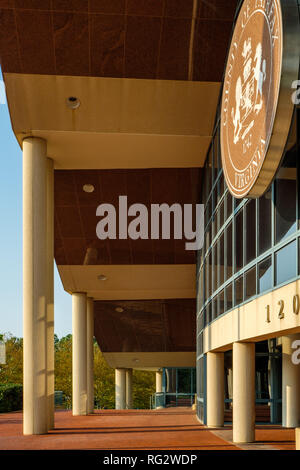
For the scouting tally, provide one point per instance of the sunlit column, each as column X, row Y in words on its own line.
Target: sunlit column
column 79, row 353
column 34, row 286
column 50, row 292
column 90, row 355
column 290, row 384
column 158, row 381
column 120, row 384
column 128, row 389
column 243, row 362
column 215, row 389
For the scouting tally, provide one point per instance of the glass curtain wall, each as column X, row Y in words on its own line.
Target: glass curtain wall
column 179, row 386
column 251, row 246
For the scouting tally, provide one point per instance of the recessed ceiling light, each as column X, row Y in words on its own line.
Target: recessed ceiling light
column 102, row 277
column 88, row 188
column 73, row 102
column 119, row 309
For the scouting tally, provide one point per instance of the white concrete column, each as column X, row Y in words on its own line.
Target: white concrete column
column 215, row 389
column 128, row 389
column 50, row 292
column 158, row 381
column 79, row 353
column 90, row 355
column 243, row 364
column 35, row 419
column 290, row 384
column 120, row 378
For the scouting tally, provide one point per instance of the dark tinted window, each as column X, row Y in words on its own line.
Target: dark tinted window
column 221, row 302
column 250, row 231
column 285, row 263
column 239, row 288
column 229, row 251
column 285, row 197
column 265, row 275
column 239, row 240
column 264, row 222
column 250, row 279
column 229, row 301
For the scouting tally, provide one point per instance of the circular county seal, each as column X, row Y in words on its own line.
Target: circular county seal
column 250, row 97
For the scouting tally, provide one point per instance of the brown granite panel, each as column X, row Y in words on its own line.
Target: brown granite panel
column 107, row 45
column 181, row 255
column 146, row 326
column 175, row 37
column 108, row 336
column 120, row 251
column 71, row 5
column 6, row 3
column 210, row 49
column 64, row 188
column 82, row 178
column 113, row 184
column 36, row 44
column 221, row 9
column 179, row 8
column 115, row 38
column 69, row 221
column 71, row 37
column 33, row 4
column 75, row 250
column 114, row 7
column 145, row 7
column 182, row 327
column 162, row 178
column 59, row 251
column 164, row 251
column 76, row 213
column 97, row 252
column 142, row 252
column 142, row 46
column 10, row 58
column 138, row 186
column 89, row 220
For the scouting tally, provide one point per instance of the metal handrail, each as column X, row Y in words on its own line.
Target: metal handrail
column 160, row 399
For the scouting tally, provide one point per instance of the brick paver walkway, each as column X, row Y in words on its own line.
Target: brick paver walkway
column 110, row 429
column 176, row 428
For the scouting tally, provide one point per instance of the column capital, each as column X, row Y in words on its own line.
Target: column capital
column 34, row 140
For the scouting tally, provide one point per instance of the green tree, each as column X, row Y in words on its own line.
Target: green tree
column 63, row 368
column 12, row 371
column 104, row 376
column 143, row 388
column 104, row 379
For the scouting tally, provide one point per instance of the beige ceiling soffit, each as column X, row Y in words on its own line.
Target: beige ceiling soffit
column 150, row 359
column 131, row 282
column 82, row 150
column 111, row 104
column 120, row 123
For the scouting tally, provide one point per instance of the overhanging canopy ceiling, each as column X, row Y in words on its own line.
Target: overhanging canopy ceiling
column 129, row 39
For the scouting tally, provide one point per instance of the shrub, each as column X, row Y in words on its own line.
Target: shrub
column 11, row 397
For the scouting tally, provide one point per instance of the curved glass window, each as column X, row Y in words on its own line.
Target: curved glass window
column 251, row 244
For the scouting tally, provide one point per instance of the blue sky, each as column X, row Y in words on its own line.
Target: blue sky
column 11, row 239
